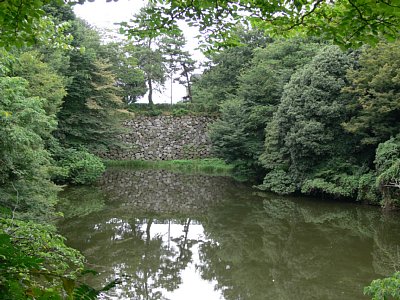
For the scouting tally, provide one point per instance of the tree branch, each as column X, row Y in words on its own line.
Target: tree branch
column 316, row 4
column 358, row 11
column 389, row 4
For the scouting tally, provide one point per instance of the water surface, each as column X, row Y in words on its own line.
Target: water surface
column 178, row 236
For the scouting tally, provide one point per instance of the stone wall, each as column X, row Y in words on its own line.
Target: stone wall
column 164, row 138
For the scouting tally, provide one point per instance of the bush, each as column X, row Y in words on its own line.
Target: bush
column 177, row 109
column 179, row 112
column 367, row 190
column 153, row 113
column 386, row 288
column 34, row 261
column 78, row 167
column 387, row 163
column 344, row 186
column 36, row 264
column 280, row 182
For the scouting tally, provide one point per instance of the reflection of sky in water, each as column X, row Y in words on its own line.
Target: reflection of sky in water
column 193, row 286
column 245, row 245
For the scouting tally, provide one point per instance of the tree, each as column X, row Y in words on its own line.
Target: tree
column 25, row 23
column 238, row 136
column 28, row 106
column 346, row 22
column 147, row 51
column 158, row 52
column 304, row 132
column 89, row 115
column 188, row 66
column 150, row 61
column 375, row 86
column 25, row 188
column 173, row 54
column 219, row 80
column 130, row 78
column 29, row 101
column 43, row 81
column 176, row 59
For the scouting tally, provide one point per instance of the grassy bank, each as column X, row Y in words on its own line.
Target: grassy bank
column 208, row 166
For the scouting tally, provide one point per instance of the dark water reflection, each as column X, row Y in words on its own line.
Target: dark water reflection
column 175, row 236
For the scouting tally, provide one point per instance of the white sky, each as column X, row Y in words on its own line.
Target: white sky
column 104, row 15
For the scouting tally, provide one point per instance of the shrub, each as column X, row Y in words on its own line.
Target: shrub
column 367, row 190
column 386, row 288
column 36, row 264
column 79, row 167
column 179, row 112
column 30, row 253
column 387, row 163
column 153, row 113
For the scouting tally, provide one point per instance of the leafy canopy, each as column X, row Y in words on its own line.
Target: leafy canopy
column 239, row 135
column 24, row 161
column 306, row 126
column 25, row 23
column 346, row 22
column 375, row 85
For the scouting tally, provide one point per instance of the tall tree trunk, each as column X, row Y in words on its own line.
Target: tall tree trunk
column 183, row 245
column 150, row 84
column 171, row 88
column 146, row 271
column 189, row 88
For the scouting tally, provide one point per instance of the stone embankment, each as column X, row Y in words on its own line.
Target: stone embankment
column 164, row 138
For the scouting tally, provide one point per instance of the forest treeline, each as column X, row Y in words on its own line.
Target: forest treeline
column 305, row 116
column 296, row 115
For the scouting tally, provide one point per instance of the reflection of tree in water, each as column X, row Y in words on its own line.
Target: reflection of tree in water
column 386, row 253
column 152, row 265
column 255, row 247
column 80, row 201
column 129, row 248
column 125, row 245
column 285, row 249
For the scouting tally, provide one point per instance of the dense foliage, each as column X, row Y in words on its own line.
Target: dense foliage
column 35, row 262
column 304, row 131
column 307, row 117
column 346, row 22
column 24, row 184
column 239, row 135
column 54, row 104
column 297, row 115
column 89, row 114
column 78, row 167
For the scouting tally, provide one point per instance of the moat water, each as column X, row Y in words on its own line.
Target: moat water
column 179, row 236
